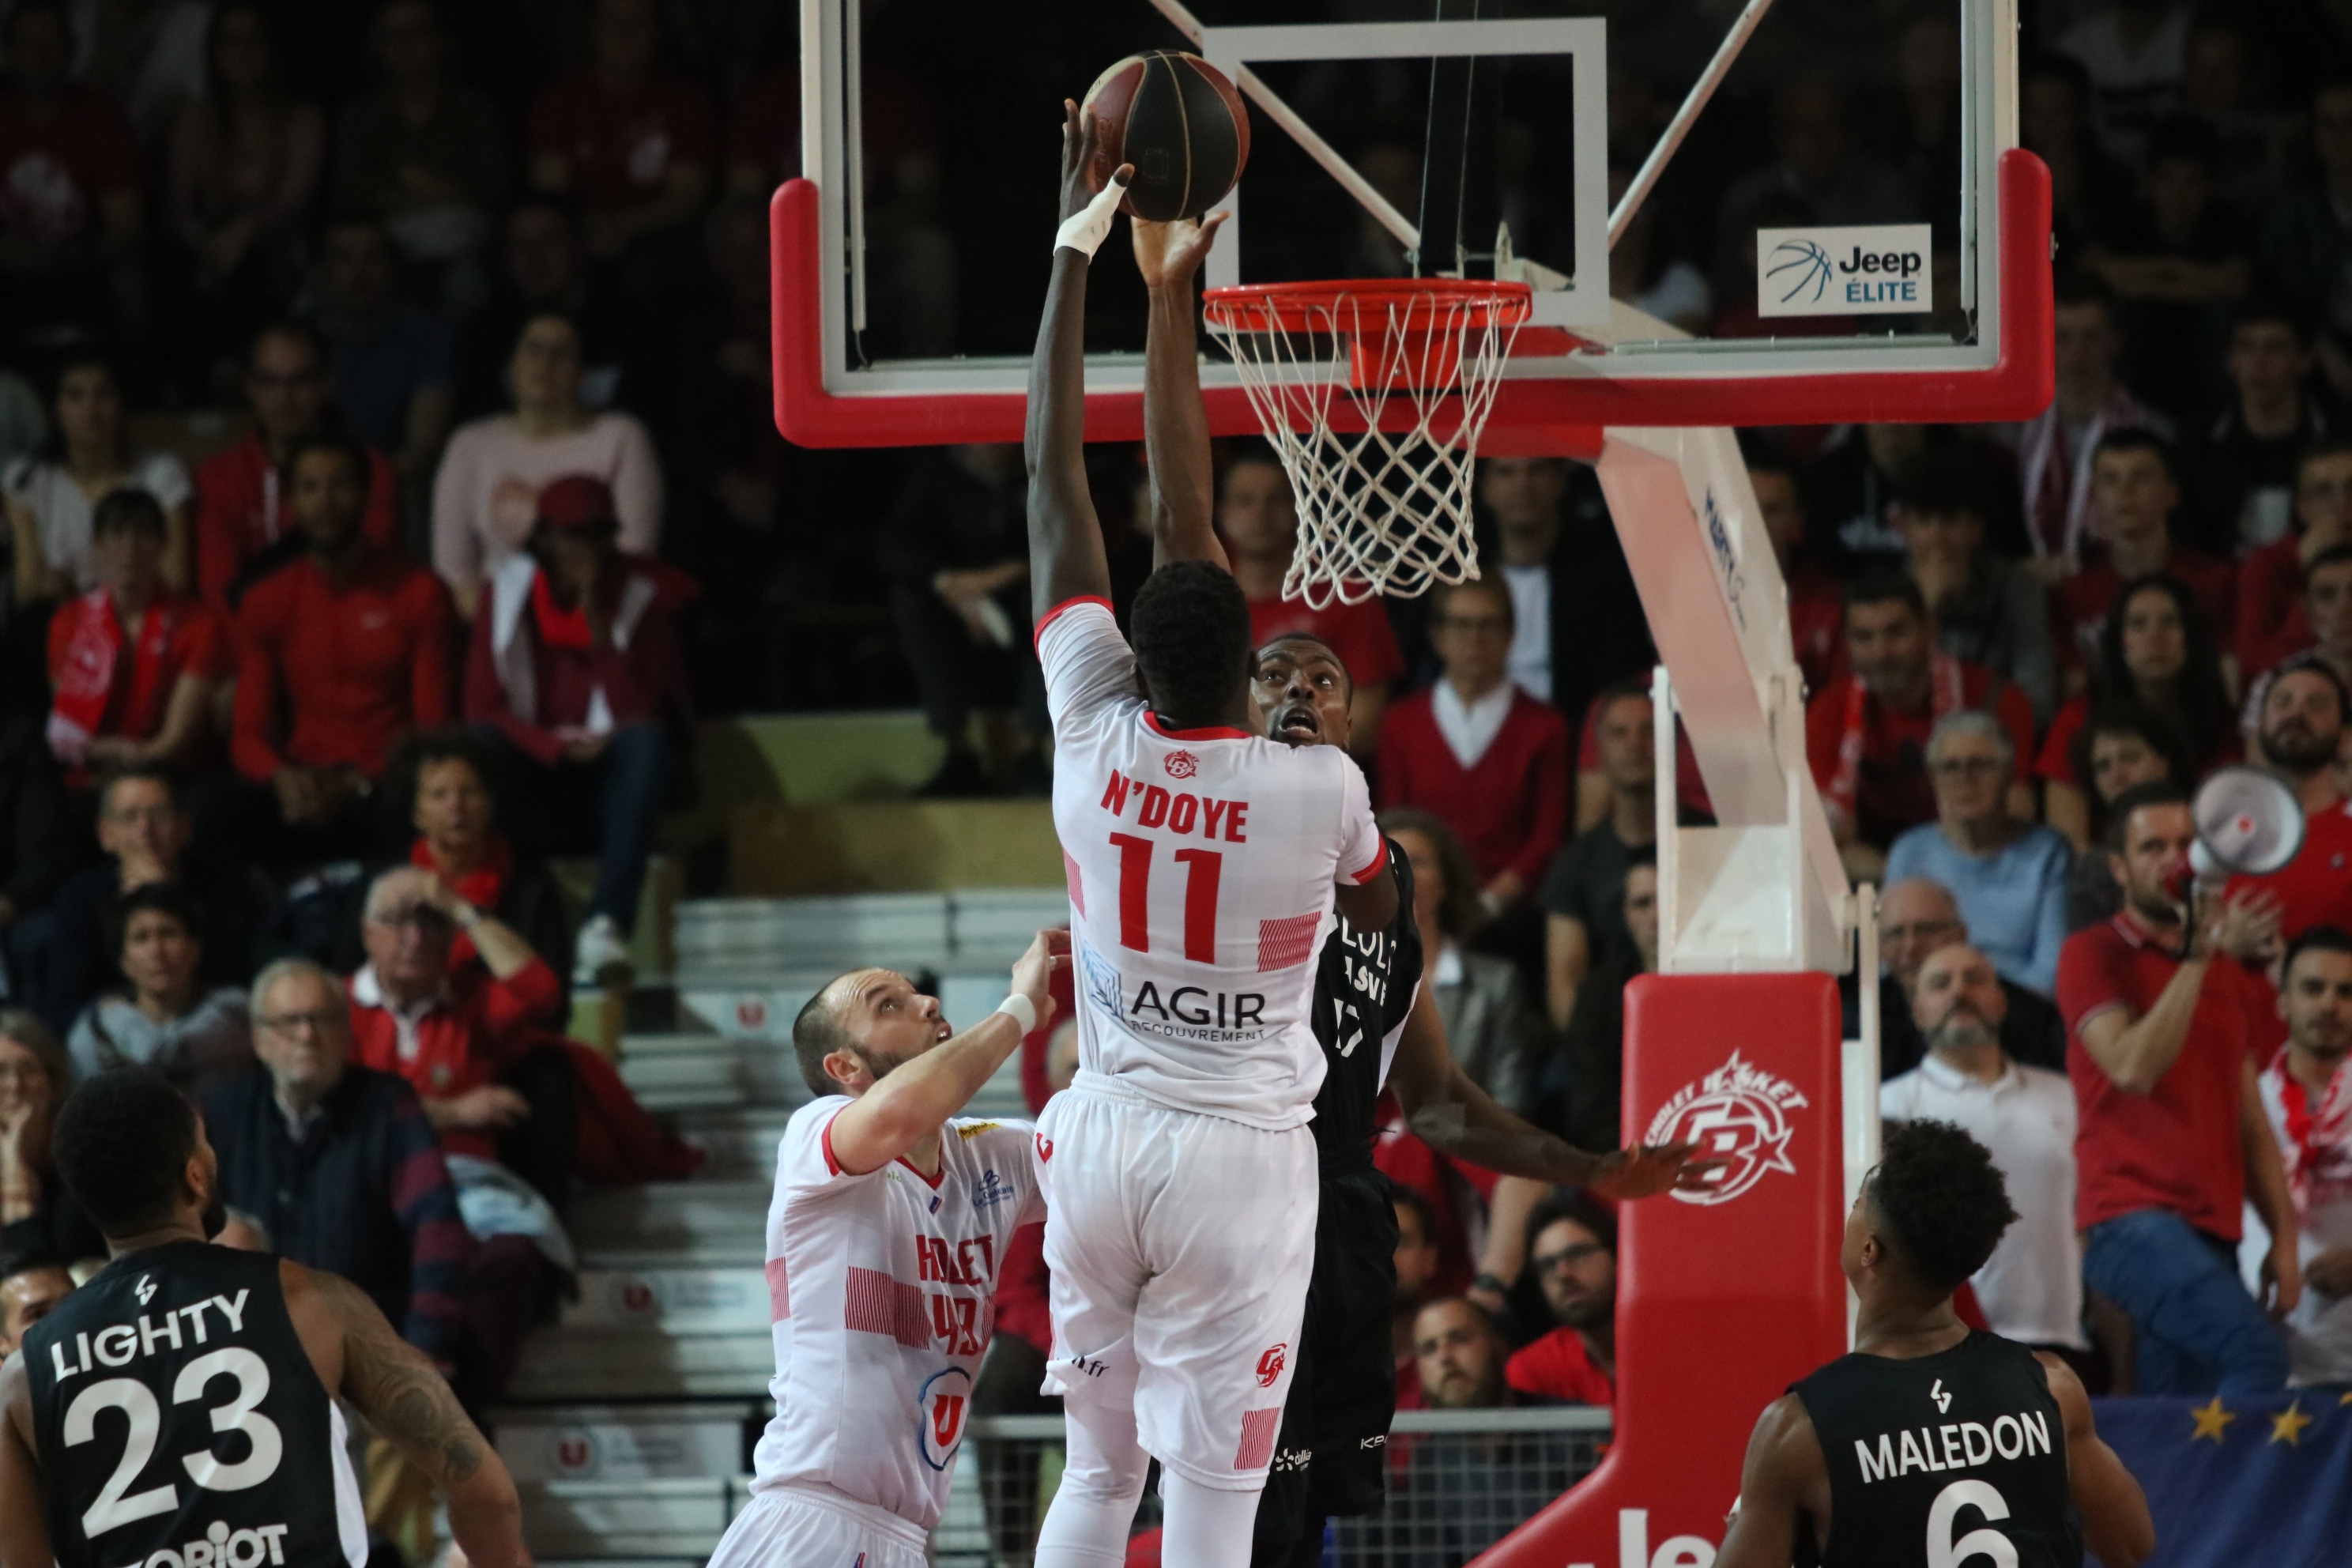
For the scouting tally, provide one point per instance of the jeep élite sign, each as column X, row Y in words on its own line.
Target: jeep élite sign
column 1880, row 270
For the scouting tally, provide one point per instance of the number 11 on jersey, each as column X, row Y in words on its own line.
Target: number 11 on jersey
column 1203, row 867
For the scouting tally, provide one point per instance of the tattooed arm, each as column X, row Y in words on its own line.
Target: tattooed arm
column 401, row 1395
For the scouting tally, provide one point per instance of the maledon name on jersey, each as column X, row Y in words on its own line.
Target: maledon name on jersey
column 181, row 1425
column 1200, row 866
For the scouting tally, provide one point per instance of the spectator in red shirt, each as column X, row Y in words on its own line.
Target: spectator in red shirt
column 2138, row 495
column 1572, row 1252
column 1478, row 752
column 2156, row 652
column 71, row 216
column 134, row 665
column 1816, row 611
column 245, row 519
column 2272, row 625
column 1866, row 733
column 576, row 663
column 496, row 1087
column 1259, row 519
column 2301, row 713
column 2173, row 1140
column 343, row 650
column 633, row 145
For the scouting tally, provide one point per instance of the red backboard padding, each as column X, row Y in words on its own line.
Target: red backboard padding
column 1721, row 1304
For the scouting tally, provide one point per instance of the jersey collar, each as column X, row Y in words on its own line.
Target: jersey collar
column 1213, row 732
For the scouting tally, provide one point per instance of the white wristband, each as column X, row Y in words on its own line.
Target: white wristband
column 1085, row 231
column 1021, row 1011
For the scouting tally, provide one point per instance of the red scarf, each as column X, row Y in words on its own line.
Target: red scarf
column 1946, row 689
column 2318, row 1155
column 558, row 628
column 86, row 677
column 482, row 887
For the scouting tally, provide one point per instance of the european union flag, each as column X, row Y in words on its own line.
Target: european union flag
column 2261, row 1480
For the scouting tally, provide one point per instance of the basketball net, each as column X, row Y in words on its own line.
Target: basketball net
column 1383, row 508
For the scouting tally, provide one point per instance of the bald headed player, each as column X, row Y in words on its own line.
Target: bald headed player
column 1932, row 1443
column 1373, row 1018
column 1204, row 864
column 885, row 1235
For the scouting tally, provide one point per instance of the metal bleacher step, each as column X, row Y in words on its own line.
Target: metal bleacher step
column 624, row 1442
column 573, row 1363
column 708, row 1072
column 740, row 1144
column 680, row 1517
column 683, row 1217
column 691, row 1298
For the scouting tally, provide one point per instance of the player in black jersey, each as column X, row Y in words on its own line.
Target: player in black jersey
column 178, row 1410
column 1372, row 1016
column 1932, row 1445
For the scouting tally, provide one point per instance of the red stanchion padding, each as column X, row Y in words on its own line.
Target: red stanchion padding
column 1723, row 1298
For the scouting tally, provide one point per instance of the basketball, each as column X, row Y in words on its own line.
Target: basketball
column 1176, row 118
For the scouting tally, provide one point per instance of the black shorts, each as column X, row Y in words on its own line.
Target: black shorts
column 1332, row 1455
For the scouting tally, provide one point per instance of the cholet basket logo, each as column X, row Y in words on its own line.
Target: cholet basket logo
column 1739, row 1113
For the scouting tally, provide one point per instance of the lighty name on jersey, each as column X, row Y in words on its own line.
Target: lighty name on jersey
column 1963, row 1445
column 120, row 1344
column 223, row 1548
column 1179, row 812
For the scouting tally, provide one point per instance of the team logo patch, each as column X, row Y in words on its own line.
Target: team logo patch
column 992, row 1191
column 967, row 1131
column 575, row 1452
column 1181, row 764
column 945, row 1401
column 1044, row 1148
column 1739, row 1113
column 1269, row 1366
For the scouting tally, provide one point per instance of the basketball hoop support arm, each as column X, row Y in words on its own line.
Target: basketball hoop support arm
column 1384, row 211
column 1670, row 140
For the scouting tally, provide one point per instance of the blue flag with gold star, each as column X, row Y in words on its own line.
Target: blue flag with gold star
column 2264, row 1479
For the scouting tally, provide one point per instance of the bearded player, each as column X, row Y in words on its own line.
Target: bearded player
column 1204, row 865
column 1375, row 1021
column 1932, row 1443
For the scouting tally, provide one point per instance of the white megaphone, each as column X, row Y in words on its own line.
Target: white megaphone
column 2249, row 824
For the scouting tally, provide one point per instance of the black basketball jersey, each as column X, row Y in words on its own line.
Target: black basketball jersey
column 1364, row 988
column 1941, row 1459
column 179, row 1421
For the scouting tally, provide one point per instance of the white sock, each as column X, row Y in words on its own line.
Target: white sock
column 1102, row 1480
column 1203, row 1527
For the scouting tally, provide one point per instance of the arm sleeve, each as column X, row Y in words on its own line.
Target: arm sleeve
column 637, row 487
column 438, row 1246
column 1086, row 662
column 1363, row 853
column 204, row 649
column 1551, row 785
column 804, row 1162
column 251, row 747
column 511, row 1009
column 485, row 701
column 434, row 681
column 457, row 541
column 2090, row 976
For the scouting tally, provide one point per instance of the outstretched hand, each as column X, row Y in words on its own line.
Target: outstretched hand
column 1648, row 1169
column 1170, row 253
column 1080, row 142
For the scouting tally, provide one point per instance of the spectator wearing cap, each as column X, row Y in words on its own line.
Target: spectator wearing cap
column 575, row 664
column 71, row 220
column 1866, row 733
column 342, row 652
column 134, row 665
column 163, row 1016
column 32, row 1283
column 2054, row 449
column 1986, row 611
column 2300, row 715
column 2171, row 1142
column 2135, row 485
column 2241, row 475
column 2273, row 621
column 2030, row 1289
column 145, row 832
column 2008, row 877
column 245, row 501
column 486, row 496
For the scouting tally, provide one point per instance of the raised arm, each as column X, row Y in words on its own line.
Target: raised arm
column 2116, row 1522
column 1175, row 426
column 1066, row 547
column 410, row 1406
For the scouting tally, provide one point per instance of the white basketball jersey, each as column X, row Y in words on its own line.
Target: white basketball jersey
column 882, row 1290
column 1201, row 865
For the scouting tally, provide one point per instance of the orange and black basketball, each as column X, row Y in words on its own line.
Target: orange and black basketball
column 1176, row 118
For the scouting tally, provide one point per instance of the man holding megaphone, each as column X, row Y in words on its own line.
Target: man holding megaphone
column 2173, row 1141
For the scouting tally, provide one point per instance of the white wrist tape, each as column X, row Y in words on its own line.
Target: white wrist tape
column 1085, row 231
column 1020, row 1010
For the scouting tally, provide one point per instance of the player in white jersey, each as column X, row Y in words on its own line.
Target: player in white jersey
column 1204, row 863
column 885, row 1237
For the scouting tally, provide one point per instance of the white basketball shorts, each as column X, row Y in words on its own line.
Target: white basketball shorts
column 804, row 1527
column 1181, row 1246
